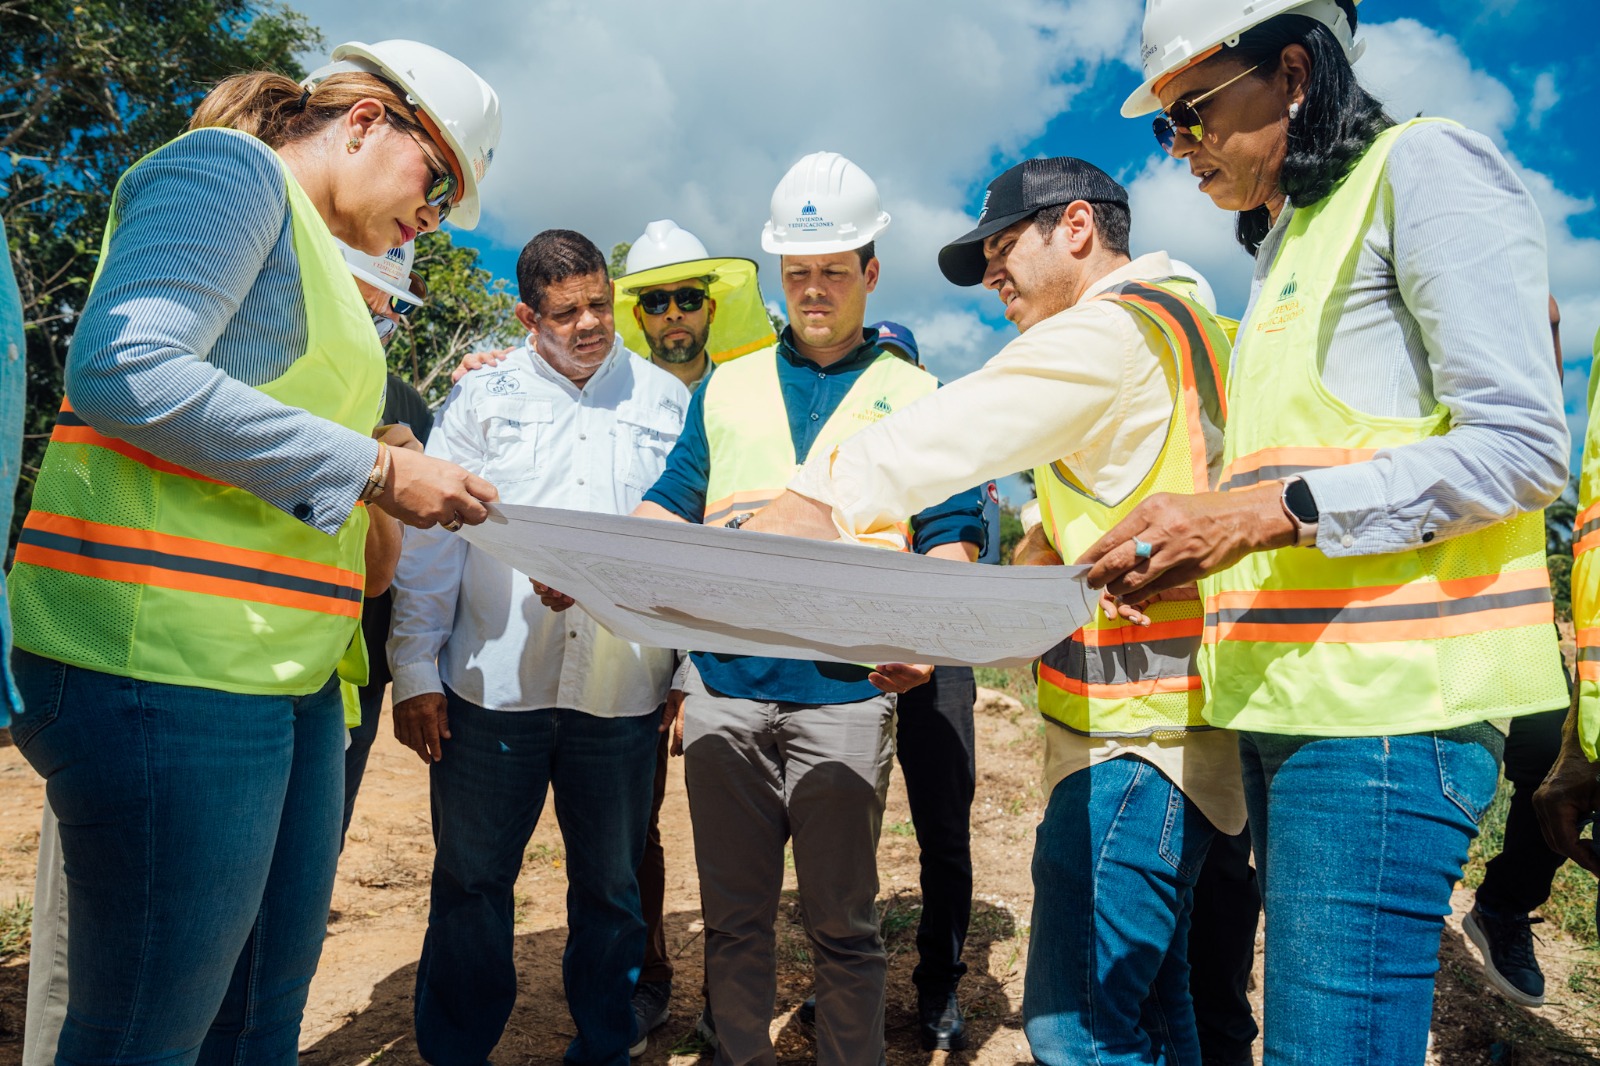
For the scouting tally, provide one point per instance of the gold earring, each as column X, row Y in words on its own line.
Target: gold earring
column 353, row 145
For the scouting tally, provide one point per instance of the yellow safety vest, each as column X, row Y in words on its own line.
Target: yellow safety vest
column 1300, row 643
column 1113, row 678
column 132, row 565
column 1586, row 579
column 752, row 454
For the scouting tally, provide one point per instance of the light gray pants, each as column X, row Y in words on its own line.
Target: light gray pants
column 758, row 775
column 47, row 961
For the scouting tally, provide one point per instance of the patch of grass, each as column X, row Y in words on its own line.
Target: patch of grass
column 552, row 855
column 16, row 924
column 1014, row 681
column 898, row 915
column 689, row 1043
column 903, row 828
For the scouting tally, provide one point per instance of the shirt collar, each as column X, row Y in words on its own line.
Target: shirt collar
column 861, row 356
column 1145, row 268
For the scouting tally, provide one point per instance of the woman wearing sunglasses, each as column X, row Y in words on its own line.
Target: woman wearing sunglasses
column 192, row 570
column 1374, row 574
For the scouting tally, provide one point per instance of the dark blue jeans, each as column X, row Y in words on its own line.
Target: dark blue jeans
column 1358, row 842
column 200, row 831
column 1114, row 869
column 487, row 793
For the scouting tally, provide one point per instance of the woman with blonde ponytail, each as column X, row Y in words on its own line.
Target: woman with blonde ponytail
column 188, row 585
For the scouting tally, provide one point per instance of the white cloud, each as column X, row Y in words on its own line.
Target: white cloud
column 1414, row 69
column 1545, row 97
column 619, row 113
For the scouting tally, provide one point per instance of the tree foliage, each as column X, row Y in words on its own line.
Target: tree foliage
column 87, row 87
column 467, row 309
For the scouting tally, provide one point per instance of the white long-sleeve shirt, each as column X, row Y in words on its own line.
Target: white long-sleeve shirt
column 463, row 619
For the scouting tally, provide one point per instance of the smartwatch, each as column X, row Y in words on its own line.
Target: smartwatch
column 1301, row 509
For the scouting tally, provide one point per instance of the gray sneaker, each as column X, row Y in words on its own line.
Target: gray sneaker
column 652, row 1006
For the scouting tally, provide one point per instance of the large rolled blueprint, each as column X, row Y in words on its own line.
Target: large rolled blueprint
column 704, row 588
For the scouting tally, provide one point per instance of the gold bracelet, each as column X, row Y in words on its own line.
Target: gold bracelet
column 378, row 479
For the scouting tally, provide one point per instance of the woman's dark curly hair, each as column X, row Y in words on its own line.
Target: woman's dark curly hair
column 1337, row 121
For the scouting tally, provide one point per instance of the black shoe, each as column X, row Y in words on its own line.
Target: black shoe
column 652, row 1006
column 940, row 1023
column 1506, row 943
column 808, row 1012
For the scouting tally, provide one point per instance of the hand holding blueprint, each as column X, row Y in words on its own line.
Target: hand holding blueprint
column 673, row 585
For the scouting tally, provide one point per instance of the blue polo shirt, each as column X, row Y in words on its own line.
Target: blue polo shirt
column 811, row 393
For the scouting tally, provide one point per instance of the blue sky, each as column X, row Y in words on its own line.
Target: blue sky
column 616, row 115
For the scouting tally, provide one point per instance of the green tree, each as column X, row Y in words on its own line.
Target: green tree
column 1011, row 532
column 619, row 259
column 87, row 87
column 1558, row 533
column 467, row 309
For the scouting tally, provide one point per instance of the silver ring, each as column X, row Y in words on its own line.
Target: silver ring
column 454, row 525
column 1142, row 549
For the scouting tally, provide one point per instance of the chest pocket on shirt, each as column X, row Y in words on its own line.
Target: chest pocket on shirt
column 645, row 435
column 515, row 432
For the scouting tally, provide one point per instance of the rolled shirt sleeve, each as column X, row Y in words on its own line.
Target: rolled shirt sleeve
column 1062, row 390
column 1469, row 262
column 194, row 231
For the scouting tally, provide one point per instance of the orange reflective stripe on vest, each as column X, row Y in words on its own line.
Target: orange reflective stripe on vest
column 720, row 511
column 145, row 557
column 1589, row 654
column 1126, row 661
column 1423, row 610
column 1586, row 529
column 70, row 429
column 1273, row 464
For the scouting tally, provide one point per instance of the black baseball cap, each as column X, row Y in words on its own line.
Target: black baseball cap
column 1020, row 193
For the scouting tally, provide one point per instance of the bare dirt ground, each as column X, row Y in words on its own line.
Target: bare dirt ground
column 360, row 1008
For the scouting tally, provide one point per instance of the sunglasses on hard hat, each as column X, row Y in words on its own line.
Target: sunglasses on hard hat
column 1184, row 115
column 442, row 183
column 656, row 301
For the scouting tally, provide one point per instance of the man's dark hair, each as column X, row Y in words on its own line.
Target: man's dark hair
column 1337, row 122
column 552, row 256
column 866, row 252
column 1112, row 222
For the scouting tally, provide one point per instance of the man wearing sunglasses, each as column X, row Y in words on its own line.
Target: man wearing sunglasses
column 687, row 309
column 1112, row 392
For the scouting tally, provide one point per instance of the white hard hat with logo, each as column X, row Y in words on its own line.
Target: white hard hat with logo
column 447, row 93
column 662, row 242
column 824, row 205
column 1178, row 33
column 389, row 272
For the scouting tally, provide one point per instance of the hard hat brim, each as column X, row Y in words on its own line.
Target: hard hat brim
column 962, row 261
column 464, row 213
column 387, row 287
column 689, row 269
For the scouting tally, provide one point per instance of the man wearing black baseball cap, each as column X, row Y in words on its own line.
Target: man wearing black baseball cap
column 1112, row 392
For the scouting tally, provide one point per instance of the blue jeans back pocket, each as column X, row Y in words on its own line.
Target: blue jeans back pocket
column 41, row 682
column 1468, row 774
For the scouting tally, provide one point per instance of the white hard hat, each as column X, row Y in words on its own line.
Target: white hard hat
column 446, row 90
column 663, row 243
column 390, row 272
column 1202, row 287
column 824, row 205
column 1180, row 32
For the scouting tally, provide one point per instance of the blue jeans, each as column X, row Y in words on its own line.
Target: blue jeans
column 1114, row 868
column 200, row 831
column 1358, row 842
column 487, row 793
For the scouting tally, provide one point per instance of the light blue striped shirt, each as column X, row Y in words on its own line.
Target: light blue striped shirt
column 197, row 301
column 1448, row 304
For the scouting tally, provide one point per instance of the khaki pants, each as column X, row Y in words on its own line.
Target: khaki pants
column 761, row 774
column 47, row 962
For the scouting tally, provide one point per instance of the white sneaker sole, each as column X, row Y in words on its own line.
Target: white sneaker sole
column 1474, row 933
